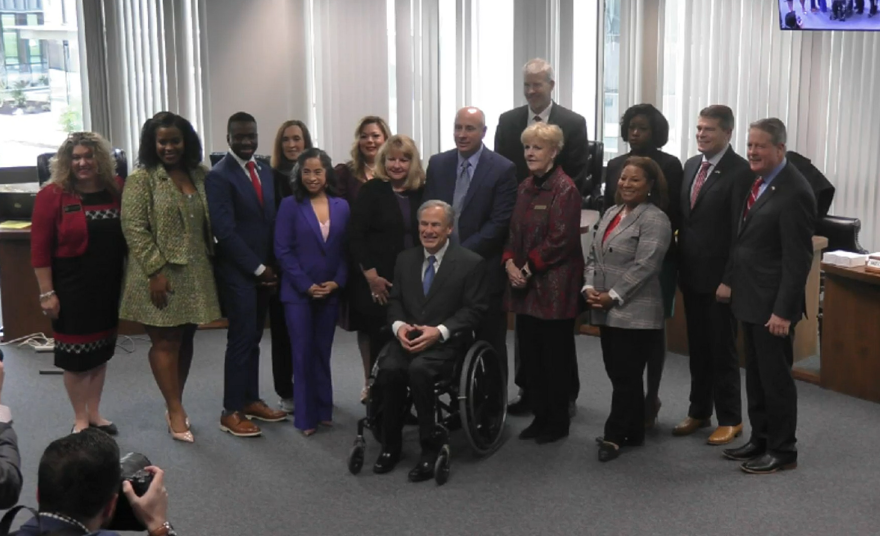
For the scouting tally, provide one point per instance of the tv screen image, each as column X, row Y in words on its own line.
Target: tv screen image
column 846, row 15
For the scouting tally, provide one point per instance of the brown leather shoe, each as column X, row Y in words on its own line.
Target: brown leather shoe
column 238, row 425
column 259, row 410
column 725, row 434
column 690, row 425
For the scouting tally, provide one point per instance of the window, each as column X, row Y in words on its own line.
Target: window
column 673, row 83
column 611, row 111
column 585, row 64
column 40, row 79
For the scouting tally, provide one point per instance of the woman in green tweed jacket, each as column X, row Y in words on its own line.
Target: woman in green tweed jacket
column 169, row 282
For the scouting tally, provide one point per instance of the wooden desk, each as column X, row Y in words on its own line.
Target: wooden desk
column 850, row 360
column 806, row 338
column 19, row 291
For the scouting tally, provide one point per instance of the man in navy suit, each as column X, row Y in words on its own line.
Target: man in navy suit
column 481, row 186
column 241, row 202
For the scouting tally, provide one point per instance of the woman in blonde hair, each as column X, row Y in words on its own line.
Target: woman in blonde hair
column 78, row 252
column 383, row 223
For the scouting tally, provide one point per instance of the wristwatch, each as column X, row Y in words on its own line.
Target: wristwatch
column 164, row 530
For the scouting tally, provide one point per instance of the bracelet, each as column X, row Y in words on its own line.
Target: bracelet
column 46, row 295
column 164, row 530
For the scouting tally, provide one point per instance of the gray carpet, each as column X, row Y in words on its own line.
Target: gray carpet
column 284, row 483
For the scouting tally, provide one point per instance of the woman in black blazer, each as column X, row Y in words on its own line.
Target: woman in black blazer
column 646, row 130
column 293, row 138
column 383, row 223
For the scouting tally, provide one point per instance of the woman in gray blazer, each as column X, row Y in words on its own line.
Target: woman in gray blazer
column 622, row 288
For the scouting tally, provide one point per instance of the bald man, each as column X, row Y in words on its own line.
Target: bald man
column 481, row 187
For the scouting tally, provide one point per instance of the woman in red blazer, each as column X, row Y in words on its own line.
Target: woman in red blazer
column 544, row 263
column 78, row 253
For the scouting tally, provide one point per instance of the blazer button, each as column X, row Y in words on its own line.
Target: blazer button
column 610, row 250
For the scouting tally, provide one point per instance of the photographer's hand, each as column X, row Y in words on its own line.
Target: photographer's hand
column 151, row 509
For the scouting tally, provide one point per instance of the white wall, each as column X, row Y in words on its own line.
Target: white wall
column 256, row 61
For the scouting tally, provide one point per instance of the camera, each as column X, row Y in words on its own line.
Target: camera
column 134, row 471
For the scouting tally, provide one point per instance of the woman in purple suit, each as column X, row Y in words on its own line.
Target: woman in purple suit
column 310, row 245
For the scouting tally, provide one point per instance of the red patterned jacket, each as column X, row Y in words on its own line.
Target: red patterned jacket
column 545, row 232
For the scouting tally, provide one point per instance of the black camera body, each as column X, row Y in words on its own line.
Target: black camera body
column 134, row 471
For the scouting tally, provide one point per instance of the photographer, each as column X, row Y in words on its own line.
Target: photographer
column 10, row 461
column 78, row 489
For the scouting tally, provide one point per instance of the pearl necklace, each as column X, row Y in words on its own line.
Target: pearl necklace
column 65, row 519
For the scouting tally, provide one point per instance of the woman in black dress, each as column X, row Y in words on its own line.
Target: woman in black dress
column 78, row 252
column 293, row 138
column 646, row 130
column 383, row 223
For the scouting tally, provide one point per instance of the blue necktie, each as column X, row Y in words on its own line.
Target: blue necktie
column 429, row 275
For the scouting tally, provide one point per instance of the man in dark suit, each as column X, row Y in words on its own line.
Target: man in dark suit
column 538, row 84
column 437, row 301
column 768, row 268
column 712, row 180
column 481, row 187
column 241, row 202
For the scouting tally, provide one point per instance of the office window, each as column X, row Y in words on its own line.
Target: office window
column 585, row 64
column 673, row 83
column 611, row 111
column 40, row 79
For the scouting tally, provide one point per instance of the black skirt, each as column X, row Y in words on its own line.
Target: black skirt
column 88, row 288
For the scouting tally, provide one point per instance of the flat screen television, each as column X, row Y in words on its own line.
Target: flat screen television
column 845, row 15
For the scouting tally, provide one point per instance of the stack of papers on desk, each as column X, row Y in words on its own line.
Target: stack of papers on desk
column 846, row 259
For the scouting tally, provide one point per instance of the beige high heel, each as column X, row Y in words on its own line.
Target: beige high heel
column 186, row 437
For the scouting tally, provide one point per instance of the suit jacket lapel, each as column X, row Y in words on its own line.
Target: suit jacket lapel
column 624, row 225
column 760, row 202
column 443, row 273
column 483, row 165
column 716, row 176
column 336, row 227
column 305, row 206
column 690, row 175
column 242, row 175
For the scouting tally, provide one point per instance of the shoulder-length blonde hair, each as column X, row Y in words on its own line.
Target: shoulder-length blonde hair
column 357, row 164
column 407, row 147
column 62, row 163
column 278, row 159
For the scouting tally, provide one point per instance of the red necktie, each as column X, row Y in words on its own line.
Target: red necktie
column 701, row 180
column 753, row 195
column 251, row 167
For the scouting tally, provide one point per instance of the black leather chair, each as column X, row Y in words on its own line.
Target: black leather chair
column 592, row 194
column 44, row 172
column 842, row 233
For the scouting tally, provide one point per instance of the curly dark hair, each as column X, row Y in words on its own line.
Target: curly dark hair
column 299, row 190
column 659, row 124
column 192, row 146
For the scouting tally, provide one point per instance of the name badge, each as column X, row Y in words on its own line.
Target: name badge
column 72, row 208
column 540, row 207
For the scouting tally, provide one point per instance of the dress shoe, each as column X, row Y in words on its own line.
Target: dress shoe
column 770, row 463
column 746, row 452
column 286, row 405
column 238, row 425
column 109, row 428
column 186, row 436
column 607, row 450
column 424, row 470
column 520, row 406
column 386, row 462
column 533, row 430
column 261, row 411
column 551, row 436
column 690, row 425
column 725, row 434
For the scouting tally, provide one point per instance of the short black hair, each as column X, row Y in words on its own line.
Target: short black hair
column 299, row 191
column 192, row 145
column 79, row 475
column 239, row 117
column 659, row 124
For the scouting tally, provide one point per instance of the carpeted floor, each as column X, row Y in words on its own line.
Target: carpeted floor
column 284, row 483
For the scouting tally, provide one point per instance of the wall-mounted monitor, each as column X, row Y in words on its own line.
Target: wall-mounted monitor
column 845, row 15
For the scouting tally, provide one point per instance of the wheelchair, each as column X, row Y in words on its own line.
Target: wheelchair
column 477, row 403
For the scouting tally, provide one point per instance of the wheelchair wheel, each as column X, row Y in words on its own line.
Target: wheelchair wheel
column 441, row 466
column 356, row 457
column 482, row 398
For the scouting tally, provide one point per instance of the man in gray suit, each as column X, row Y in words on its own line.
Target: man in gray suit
column 768, row 268
column 437, row 301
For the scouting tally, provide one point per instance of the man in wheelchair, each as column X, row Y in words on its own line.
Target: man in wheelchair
column 437, row 300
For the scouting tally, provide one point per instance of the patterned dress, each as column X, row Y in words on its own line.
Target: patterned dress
column 88, row 290
column 193, row 296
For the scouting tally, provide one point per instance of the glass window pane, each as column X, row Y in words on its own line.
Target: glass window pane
column 611, row 112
